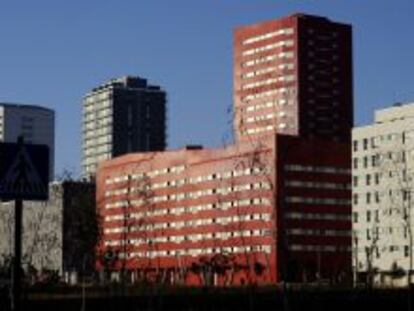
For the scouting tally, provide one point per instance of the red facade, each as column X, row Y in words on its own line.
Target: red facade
column 191, row 216
column 313, row 201
column 293, row 76
column 229, row 216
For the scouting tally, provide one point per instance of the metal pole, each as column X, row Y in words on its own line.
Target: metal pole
column 18, row 215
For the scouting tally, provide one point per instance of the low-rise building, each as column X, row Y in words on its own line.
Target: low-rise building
column 251, row 213
column 59, row 234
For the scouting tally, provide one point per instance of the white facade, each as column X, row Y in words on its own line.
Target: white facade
column 383, row 200
column 36, row 124
column 97, row 129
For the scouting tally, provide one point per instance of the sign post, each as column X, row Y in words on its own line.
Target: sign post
column 24, row 175
column 17, row 262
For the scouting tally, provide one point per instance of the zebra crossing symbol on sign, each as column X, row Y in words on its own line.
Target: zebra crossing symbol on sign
column 20, row 176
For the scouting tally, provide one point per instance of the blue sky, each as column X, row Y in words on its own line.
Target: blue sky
column 53, row 51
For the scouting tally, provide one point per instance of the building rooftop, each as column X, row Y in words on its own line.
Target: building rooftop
column 291, row 16
column 132, row 82
column 22, row 106
column 398, row 111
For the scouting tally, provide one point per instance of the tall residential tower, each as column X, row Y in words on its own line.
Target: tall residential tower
column 293, row 76
column 122, row 116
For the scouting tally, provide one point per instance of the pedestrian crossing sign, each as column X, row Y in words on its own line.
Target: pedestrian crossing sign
column 24, row 171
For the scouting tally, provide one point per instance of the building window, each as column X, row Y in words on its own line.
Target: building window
column 368, row 216
column 368, row 179
column 355, row 199
column 377, row 197
column 355, row 181
column 355, row 145
column 365, row 162
column 355, row 163
column 405, row 195
column 374, row 160
column 355, row 217
column 365, row 143
column 368, row 198
column 406, row 251
column 377, row 178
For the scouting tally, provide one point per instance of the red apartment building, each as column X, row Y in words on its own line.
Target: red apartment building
column 293, row 76
column 274, row 206
column 248, row 213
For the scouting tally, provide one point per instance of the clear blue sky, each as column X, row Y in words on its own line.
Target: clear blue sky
column 53, row 51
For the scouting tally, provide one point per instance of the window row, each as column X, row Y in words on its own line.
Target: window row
column 191, row 195
column 317, row 169
column 268, row 47
column 194, row 237
column 268, row 35
column 269, row 104
column 251, row 85
column 269, row 58
column 202, row 251
column 322, row 201
column 261, row 129
column 318, row 216
column 188, row 209
column 98, row 96
column 397, row 197
column 374, row 142
column 319, row 248
column 317, row 185
column 264, row 117
column 285, row 91
column 259, row 72
column 141, row 176
column 240, row 221
column 318, row 232
column 369, row 179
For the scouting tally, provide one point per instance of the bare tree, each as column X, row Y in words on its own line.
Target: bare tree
column 395, row 161
column 370, row 252
column 41, row 235
column 140, row 191
column 135, row 221
column 6, row 229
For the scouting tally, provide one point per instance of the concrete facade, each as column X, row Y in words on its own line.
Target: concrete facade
column 56, row 233
column 383, row 162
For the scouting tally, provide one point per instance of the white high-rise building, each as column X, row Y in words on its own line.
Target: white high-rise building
column 36, row 124
column 383, row 199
